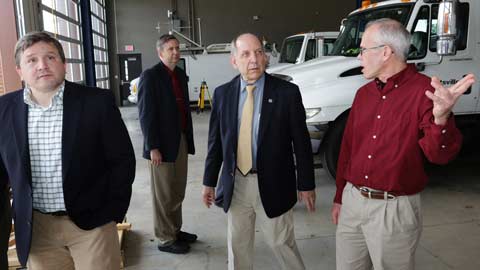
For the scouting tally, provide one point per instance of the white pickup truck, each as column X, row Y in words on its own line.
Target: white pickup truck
column 303, row 47
column 328, row 85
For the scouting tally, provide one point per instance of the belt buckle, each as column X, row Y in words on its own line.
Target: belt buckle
column 368, row 191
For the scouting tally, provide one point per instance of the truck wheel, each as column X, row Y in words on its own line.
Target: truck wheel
column 330, row 148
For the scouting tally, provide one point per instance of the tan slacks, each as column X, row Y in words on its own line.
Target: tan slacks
column 58, row 244
column 379, row 233
column 168, row 183
column 245, row 209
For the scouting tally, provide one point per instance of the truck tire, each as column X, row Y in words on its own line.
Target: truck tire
column 330, row 148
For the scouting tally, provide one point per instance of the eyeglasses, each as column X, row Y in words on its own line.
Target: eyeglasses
column 362, row 50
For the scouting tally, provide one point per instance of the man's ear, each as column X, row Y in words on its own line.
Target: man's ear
column 233, row 62
column 19, row 72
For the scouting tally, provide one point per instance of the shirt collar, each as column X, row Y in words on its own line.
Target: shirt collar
column 258, row 84
column 27, row 96
column 170, row 72
column 398, row 79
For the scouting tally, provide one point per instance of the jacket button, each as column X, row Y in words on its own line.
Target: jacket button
column 231, row 174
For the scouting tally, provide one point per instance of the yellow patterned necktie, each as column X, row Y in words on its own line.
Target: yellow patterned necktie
column 244, row 148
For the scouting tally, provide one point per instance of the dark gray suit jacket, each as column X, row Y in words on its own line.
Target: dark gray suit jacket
column 282, row 135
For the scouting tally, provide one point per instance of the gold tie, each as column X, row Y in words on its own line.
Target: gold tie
column 244, row 148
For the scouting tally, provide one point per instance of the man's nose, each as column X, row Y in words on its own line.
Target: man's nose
column 42, row 64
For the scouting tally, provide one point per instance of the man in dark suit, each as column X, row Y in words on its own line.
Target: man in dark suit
column 166, row 122
column 5, row 223
column 257, row 125
column 69, row 160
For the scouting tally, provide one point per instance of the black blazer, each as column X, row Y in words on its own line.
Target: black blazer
column 97, row 158
column 159, row 115
column 282, row 134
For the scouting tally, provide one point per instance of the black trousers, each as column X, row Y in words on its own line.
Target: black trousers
column 5, row 225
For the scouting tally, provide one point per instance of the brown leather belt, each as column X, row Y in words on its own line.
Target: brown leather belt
column 376, row 194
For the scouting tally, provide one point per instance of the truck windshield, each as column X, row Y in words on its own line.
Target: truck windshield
column 348, row 42
column 291, row 48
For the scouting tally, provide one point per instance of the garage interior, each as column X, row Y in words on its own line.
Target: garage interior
column 104, row 31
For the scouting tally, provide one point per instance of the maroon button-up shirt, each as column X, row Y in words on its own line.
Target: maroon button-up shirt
column 180, row 97
column 389, row 133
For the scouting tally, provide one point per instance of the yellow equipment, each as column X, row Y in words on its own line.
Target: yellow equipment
column 201, row 98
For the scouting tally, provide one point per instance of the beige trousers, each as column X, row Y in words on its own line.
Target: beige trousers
column 168, row 183
column 58, row 244
column 379, row 233
column 245, row 209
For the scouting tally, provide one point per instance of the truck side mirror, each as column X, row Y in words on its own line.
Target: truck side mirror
column 447, row 27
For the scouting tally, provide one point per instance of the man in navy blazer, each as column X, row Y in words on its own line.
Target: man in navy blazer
column 166, row 121
column 267, row 191
column 5, row 223
column 69, row 160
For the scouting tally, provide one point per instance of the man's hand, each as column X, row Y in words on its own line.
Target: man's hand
column 336, row 212
column 445, row 98
column 208, row 194
column 155, row 157
column 309, row 198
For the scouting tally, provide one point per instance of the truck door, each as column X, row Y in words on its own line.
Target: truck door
column 450, row 69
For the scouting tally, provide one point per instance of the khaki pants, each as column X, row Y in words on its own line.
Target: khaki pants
column 379, row 233
column 168, row 183
column 278, row 232
column 5, row 225
column 58, row 244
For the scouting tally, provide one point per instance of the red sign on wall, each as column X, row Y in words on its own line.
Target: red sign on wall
column 129, row 48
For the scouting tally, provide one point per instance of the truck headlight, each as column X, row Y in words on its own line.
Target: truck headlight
column 312, row 112
column 283, row 77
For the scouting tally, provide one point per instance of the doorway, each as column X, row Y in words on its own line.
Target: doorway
column 130, row 68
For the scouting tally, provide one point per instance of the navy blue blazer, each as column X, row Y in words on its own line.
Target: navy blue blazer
column 98, row 162
column 159, row 115
column 282, row 135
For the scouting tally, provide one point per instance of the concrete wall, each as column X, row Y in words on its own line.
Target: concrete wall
column 221, row 20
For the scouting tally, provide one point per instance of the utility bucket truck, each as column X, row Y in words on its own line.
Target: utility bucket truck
column 328, row 85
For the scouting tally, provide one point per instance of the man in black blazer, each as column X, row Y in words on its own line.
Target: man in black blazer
column 69, row 160
column 5, row 223
column 166, row 122
column 266, row 188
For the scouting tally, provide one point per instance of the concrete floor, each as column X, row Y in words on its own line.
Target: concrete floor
column 451, row 207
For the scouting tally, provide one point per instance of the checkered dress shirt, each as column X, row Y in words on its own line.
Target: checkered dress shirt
column 45, row 143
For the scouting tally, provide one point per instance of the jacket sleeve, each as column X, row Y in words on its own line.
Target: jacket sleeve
column 119, row 160
column 301, row 143
column 214, row 158
column 148, row 111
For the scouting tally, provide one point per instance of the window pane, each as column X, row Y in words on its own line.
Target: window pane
column 74, row 31
column 66, row 48
column 48, row 21
column 76, row 51
column 72, row 10
column 48, row 3
column 62, row 27
column 61, row 6
column 77, row 72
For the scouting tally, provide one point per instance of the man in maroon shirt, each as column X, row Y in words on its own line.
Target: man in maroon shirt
column 396, row 121
column 166, row 121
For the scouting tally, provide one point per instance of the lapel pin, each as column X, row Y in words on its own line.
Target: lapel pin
column 270, row 100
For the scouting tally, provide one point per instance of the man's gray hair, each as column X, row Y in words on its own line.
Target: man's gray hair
column 393, row 34
column 31, row 39
column 164, row 39
column 234, row 49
